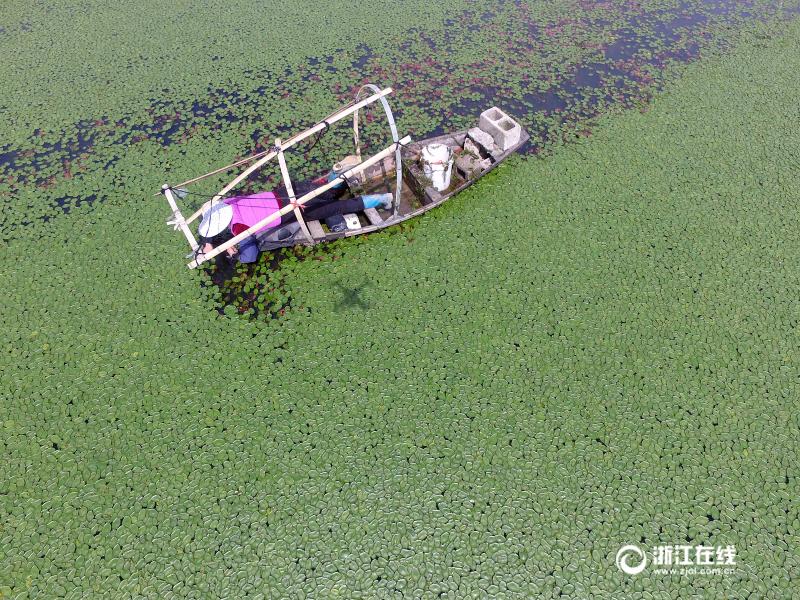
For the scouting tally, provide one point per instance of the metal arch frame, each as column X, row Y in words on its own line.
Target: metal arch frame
column 395, row 139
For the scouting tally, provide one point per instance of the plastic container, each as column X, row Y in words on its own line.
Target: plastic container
column 437, row 164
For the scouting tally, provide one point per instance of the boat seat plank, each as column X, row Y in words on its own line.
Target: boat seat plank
column 316, row 229
column 373, row 216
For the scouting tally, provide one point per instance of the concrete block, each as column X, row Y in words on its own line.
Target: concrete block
column 468, row 166
column 471, row 147
column 484, row 141
column 505, row 131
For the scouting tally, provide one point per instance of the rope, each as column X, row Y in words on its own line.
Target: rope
column 319, row 137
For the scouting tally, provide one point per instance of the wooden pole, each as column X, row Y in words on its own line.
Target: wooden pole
column 287, row 182
column 336, row 117
column 272, row 154
column 179, row 220
column 199, row 211
column 239, row 163
column 356, row 136
column 288, row 208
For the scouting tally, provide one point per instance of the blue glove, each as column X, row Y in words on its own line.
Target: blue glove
column 331, row 176
column 377, row 200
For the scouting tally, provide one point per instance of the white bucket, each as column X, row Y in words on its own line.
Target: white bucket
column 437, row 164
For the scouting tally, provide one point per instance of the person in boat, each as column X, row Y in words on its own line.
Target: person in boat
column 228, row 218
column 332, row 202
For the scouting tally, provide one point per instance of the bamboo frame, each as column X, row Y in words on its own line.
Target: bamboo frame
column 301, row 136
column 179, row 220
column 290, row 142
column 300, row 201
column 265, row 157
column 278, row 150
column 287, row 182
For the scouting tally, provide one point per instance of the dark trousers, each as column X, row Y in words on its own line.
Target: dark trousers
column 325, row 205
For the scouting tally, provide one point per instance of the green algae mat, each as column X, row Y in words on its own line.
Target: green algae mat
column 584, row 352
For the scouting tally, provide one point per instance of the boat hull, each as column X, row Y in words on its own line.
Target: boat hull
column 419, row 197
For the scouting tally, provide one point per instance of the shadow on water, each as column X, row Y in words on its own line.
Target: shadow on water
column 350, row 297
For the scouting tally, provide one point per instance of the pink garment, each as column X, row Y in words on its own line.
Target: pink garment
column 249, row 210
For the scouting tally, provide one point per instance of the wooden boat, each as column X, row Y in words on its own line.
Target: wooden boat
column 416, row 197
column 475, row 152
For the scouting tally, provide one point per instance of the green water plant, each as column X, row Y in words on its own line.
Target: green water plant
column 585, row 350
